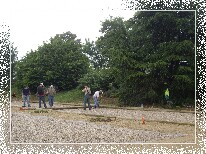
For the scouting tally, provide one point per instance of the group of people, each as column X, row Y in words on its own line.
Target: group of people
column 42, row 91
column 96, row 97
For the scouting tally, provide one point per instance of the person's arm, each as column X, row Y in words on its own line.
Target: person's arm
column 97, row 95
column 84, row 90
column 46, row 91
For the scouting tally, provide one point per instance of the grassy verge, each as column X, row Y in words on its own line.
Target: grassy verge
column 71, row 96
column 76, row 96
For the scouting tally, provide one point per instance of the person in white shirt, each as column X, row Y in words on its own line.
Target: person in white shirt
column 96, row 98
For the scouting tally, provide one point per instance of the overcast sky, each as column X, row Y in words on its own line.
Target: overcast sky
column 34, row 21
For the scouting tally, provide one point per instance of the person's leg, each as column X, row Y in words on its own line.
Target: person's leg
column 24, row 100
column 40, row 101
column 95, row 101
column 49, row 100
column 52, row 100
column 88, row 100
column 85, row 100
column 28, row 103
column 43, row 99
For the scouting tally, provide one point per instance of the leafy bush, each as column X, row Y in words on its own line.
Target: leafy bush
column 97, row 79
column 74, row 95
column 59, row 62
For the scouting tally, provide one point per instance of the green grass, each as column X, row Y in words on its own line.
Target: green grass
column 40, row 111
column 71, row 96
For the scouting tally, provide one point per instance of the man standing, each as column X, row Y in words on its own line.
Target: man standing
column 25, row 96
column 87, row 93
column 41, row 94
column 96, row 98
column 51, row 93
column 167, row 94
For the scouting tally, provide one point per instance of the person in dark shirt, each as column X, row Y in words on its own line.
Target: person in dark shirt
column 25, row 96
column 41, row 90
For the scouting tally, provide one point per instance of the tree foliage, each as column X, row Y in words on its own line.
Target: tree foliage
column 96, row 58
column 97, row 79
column 149, row 52
column 58, row 62
column 139, row 57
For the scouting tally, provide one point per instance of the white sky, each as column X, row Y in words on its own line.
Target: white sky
column 34, row 21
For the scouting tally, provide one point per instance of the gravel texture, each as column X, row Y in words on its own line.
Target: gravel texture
column 137, row 114
column 42, row 128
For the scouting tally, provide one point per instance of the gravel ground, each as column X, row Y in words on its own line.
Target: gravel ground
column 137, row 114
column 73, row 126
column 37, row 129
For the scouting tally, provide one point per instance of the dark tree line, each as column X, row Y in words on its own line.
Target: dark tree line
column 148, row 53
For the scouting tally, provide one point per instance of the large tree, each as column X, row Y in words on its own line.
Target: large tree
column 149, row 52
column 59, row 62
column 114, row 45
column 97, row 60
column 170, row 53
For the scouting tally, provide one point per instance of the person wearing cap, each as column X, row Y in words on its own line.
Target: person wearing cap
column 87, row 93
column 41, row 94
column 96, row 98
column 51, row 93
